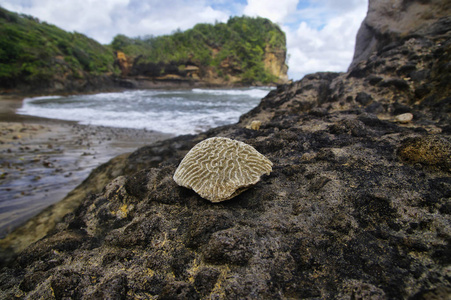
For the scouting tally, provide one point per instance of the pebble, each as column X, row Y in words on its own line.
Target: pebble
column 404, row 118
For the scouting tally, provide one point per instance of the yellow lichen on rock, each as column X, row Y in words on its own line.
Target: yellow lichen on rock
column 122, row 212
column 220, row 168
column 254, row 125
column 428, row 150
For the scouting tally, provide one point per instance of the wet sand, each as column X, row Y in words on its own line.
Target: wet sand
column 41, row 160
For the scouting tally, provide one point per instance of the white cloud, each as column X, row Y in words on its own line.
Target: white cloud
column 90, row 17
column 158, row 20
column 325, row 40
column 103, row 19
column 320, row 33
column 276, row 11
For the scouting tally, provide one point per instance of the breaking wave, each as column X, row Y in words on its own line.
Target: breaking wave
column 170, row 111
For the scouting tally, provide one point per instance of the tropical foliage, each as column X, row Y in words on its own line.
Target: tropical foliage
column 32, row 51
column 242, row 42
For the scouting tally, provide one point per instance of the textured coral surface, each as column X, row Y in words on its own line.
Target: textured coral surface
column 219, row 168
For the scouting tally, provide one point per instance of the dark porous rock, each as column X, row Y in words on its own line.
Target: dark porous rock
column 112, row 288
column 373, row 79
column 205, row 280
column 395, row 82
column 401, row 109
column 375, row 108
column 363, row 98
column 357, row 205
column 231, row 246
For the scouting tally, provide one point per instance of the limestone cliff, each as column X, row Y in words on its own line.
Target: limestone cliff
column 275, row 62
column 124, row 62
column 357, row 205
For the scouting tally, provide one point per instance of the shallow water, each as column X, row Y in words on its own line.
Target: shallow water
column 42, row 163
column 172, row 111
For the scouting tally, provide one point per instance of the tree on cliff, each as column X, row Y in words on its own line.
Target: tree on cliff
column 34, row 53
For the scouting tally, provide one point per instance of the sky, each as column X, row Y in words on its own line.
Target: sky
column 320, row 33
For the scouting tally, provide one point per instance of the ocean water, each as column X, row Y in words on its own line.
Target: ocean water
column 170, row 111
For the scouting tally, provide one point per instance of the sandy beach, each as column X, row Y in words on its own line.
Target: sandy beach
column 41, row 160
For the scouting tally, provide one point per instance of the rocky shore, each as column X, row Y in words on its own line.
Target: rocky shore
column 357, row 206
column 42, row 160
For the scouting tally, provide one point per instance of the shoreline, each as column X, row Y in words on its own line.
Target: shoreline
column 42, row 159
column 125, row 84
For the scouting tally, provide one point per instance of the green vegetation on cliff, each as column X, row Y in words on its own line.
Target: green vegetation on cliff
column 236, row 47
column 34, row 52
column 38, row 55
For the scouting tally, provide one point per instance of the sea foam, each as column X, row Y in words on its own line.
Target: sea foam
column 172, row 111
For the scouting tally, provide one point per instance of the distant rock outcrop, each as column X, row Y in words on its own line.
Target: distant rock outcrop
column 357, row 205
column 40, row 58
column 242, row 51
column 125, row 63
column 275, row 61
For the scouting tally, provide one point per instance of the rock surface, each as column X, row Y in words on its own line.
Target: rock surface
column 389, row 21
column 357, row 205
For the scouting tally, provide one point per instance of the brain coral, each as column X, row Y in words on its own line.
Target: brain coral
column 220, row 168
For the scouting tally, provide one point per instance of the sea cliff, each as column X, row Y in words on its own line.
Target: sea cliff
column 243, row 51
column 37, row 57
column 357, row 205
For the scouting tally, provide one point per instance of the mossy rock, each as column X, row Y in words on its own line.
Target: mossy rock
column 427, row 150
